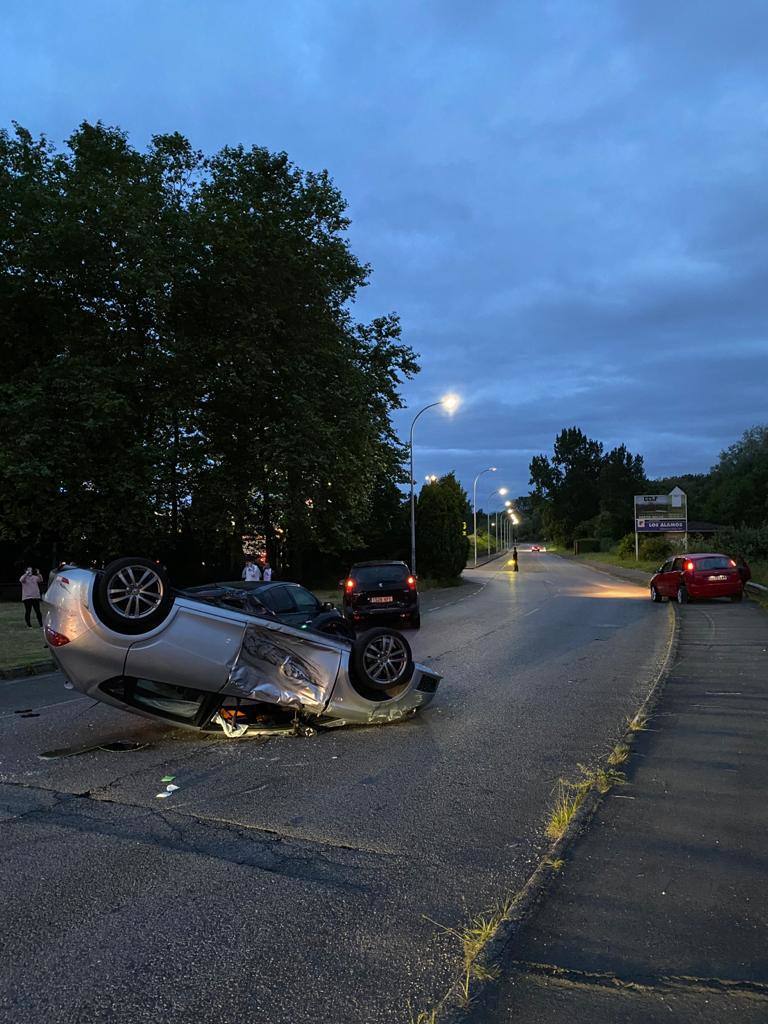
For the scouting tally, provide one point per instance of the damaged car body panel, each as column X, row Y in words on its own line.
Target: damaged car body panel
column 281, row 665
column 123, row 636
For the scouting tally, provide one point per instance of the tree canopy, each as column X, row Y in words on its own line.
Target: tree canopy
column 182, row 366
column 580, row 483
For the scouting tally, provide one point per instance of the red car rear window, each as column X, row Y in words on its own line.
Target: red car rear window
column 713, row 562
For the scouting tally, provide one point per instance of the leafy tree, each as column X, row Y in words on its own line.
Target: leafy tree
column 180, row 349
column 441, row 515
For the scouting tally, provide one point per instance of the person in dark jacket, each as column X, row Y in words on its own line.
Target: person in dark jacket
column 743, row 567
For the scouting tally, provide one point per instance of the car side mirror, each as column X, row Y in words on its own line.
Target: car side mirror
column 328, row 606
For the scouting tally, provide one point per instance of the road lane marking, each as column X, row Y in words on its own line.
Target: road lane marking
column 533, row 610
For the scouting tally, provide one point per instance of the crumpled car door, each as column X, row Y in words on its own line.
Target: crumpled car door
column 278, row 664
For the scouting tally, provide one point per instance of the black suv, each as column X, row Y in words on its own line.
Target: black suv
column 381, row 590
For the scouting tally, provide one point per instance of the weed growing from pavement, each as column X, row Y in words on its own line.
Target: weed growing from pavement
column 569, row 796
column 474, row 938
column 619, row 754
column 638, row 723
column 423, row 1017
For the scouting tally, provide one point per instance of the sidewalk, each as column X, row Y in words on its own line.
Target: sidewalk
column 660, row 913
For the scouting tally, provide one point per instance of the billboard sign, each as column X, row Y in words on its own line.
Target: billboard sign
column 661, row 513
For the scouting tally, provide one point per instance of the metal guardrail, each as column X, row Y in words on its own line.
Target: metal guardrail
column 758, row 586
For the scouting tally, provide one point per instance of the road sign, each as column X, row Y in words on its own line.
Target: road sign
column 660, row 513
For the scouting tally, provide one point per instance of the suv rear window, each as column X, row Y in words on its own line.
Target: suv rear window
column 715, row 562
column 374, row 574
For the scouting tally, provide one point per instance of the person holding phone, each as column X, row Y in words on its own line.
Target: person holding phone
column 30, row 594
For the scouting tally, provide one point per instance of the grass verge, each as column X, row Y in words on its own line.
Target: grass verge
column 19, row 645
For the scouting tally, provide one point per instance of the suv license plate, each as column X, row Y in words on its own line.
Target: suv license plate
column 381, row 600
column 717, row 579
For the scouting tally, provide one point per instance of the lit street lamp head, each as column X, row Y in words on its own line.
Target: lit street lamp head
column 503, row 491
column 450, row 403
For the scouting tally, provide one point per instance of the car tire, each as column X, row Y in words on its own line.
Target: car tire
column 738, row 596
column 655, row 595
column 682, row 595
column 132, row 595
column 381, row 660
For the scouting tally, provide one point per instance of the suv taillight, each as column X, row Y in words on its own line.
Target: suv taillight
column 55, row 639
column 411, row 582
column 689, row 566
column 349, row 586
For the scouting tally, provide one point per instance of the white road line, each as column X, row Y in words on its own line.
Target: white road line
column 533, row 611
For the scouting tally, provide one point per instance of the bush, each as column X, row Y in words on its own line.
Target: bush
column 626, row 546
column 585, row 545
column 655, row 549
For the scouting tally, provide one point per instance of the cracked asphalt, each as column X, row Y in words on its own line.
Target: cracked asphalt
column 308, row 880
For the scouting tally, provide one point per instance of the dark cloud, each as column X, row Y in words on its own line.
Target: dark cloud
column 564, row 200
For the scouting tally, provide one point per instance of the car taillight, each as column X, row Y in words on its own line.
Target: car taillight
column 55, row 639
column 350, row 585
column 411, row 582
column 689, row 566
column 732, row 563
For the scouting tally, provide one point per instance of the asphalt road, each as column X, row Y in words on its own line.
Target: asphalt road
column 307, row 880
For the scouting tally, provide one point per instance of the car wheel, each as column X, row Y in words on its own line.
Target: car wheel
column 682, row 595
column 655, row 595
column 381, row 659
column 132, row 595
column 738, row 596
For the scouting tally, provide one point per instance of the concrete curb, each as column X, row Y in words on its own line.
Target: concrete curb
column 452, row 1009
column 493, row 558
column 37, row 668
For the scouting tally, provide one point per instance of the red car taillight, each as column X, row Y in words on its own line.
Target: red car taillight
column 411, row 582
column 689, row 566
column 55, row 639
column 349, row 586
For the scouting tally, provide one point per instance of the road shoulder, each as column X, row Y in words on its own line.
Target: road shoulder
column 660, row 906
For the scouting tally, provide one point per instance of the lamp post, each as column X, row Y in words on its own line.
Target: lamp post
column 502, row 491
column 450, row 403
column 490, row 469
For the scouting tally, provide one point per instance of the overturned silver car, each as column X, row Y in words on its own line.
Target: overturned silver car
column 241, row 658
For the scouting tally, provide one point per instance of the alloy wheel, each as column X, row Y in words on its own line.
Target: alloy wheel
column 135, row 592
column 385, row 659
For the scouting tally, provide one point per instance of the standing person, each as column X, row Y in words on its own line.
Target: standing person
column 30, row 594
column 515, row 567
column 267, row 572
column 743, row 567
column 251, row 572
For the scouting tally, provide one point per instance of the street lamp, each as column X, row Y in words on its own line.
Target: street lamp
column 502, row 491
column 430, row 478
column 450, row 403
column 490, row 469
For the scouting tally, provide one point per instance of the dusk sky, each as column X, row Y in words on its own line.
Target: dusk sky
column 566, row 201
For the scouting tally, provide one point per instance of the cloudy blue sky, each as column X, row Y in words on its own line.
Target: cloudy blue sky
column 565, row 200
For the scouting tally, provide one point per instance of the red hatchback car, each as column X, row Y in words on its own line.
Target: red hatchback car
column 689, row 577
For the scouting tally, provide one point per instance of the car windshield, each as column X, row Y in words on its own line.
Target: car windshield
column 374, row 574
column 713, row 562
